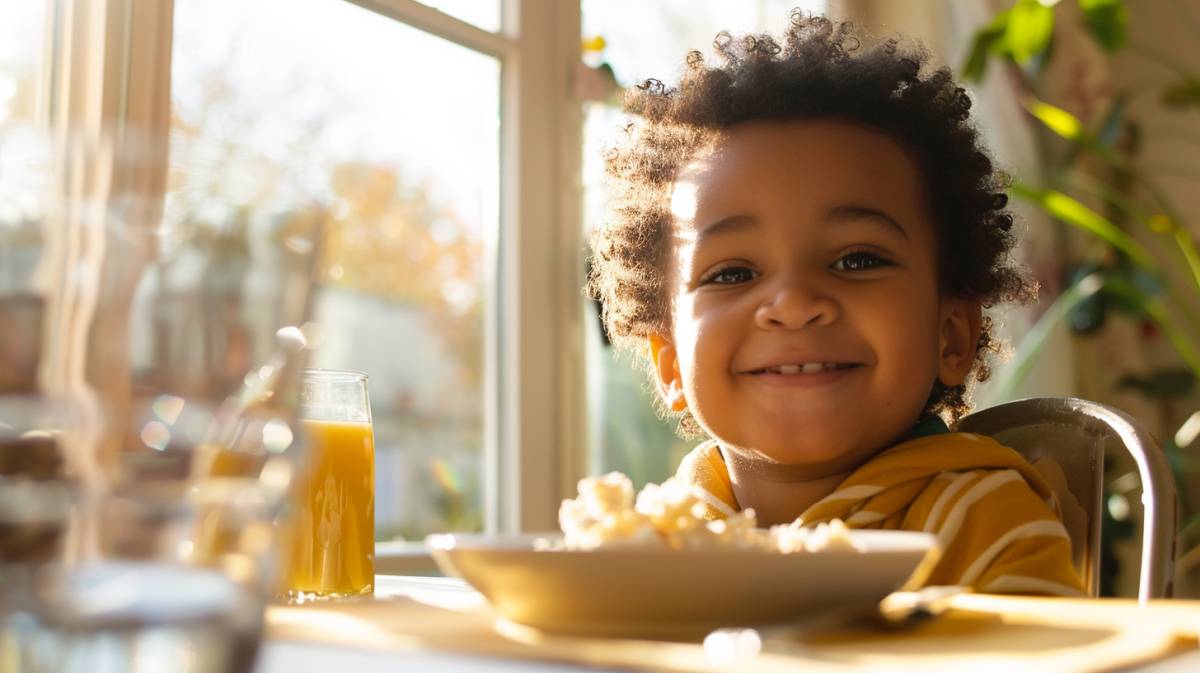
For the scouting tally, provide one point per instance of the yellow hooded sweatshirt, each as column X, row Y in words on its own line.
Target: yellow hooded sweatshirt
column 994, row 515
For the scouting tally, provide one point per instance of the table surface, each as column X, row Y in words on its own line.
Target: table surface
column 297, row 656
column 290, row 656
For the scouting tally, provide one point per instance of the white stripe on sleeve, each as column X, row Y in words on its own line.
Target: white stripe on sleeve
column 935, row 513
column 1048, row 527
column 858, row 492
column 957, row 513
column 863, row 517
column 711, row 500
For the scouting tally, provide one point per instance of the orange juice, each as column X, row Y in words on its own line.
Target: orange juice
column 332, row 536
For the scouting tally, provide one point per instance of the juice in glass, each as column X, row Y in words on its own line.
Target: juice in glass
column 331, row 536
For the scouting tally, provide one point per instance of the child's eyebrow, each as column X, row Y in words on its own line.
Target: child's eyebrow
column 854, row 212
column 835, row 215
column 725, row 225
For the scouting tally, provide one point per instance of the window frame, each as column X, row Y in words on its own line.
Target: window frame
column 534, row 417
column 110, row 77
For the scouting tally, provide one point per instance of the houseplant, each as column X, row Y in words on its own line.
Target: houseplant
column 1139, row 258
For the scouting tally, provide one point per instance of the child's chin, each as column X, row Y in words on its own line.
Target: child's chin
column 813, row 450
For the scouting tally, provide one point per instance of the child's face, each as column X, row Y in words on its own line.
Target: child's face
column 804, row 244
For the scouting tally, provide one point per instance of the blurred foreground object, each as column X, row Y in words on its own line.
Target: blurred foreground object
column 148, row 392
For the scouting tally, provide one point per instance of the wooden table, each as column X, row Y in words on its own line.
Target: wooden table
column 440, row 624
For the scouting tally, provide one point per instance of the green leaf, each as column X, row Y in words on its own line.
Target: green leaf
column 1062, row 207
column 1035, row 339
column 1130, row 289
column 1160, row 383
column 976, row 63
column 1041, row 59
column 1145, row 281
column 1071, row 128
column 1107, row 20
column 1157, row 310
column 1182, row 94
column 1056, row 119
column 983, row 44
column 1029, row 29
column 1001, row 49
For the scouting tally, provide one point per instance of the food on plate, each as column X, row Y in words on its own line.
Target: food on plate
column 606, row 513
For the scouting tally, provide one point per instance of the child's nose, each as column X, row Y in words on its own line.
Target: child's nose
column 792, row 304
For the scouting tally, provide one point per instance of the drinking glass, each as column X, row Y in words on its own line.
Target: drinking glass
column 331, row 528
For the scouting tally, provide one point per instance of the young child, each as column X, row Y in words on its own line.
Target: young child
column 803, row 239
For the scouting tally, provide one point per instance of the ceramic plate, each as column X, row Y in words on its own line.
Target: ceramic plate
column 657, row 592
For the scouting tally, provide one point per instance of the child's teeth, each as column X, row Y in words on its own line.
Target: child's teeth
column 806, row 368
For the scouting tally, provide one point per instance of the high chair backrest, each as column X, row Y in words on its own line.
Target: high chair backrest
column 1065, row 438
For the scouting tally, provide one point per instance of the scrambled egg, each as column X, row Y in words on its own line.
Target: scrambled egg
column 606, row 513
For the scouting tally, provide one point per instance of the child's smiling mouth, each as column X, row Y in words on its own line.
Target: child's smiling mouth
column 803, row 372
column 804, row 368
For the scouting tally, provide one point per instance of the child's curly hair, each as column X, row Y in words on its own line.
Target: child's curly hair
column 815, row 73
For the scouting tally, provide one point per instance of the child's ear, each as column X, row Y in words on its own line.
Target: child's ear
column 666, row 365
column 958, row 339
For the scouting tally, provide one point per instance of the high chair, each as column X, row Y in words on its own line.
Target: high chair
column 1065, row 438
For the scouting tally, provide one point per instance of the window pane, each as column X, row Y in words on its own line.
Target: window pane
column 482, row 13
column 334, row 113
column 649, row 39
column 644, row 39
column 22, row 25
column 22, row 143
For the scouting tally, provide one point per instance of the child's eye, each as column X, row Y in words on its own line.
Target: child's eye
column 730, row 275
column 860, row 261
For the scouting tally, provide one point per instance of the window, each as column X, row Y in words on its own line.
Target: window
column 386, row 120
column 438, row 144
column 486, row 15
column 401, row 161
